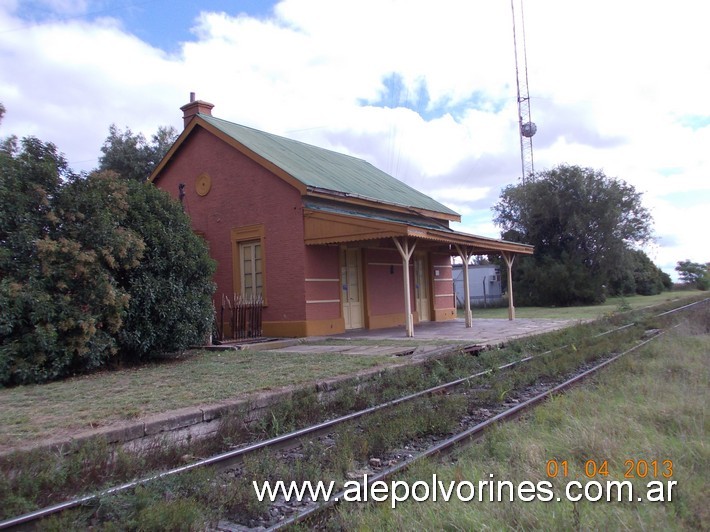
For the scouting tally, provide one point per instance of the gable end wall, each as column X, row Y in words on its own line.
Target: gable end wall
column 243, row 193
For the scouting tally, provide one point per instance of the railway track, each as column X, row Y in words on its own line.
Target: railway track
column 229, row 463
column 314, row 511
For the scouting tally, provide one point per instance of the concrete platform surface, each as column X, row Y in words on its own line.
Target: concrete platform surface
column 484, row 332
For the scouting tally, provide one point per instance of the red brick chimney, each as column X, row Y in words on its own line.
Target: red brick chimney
column 195, row 107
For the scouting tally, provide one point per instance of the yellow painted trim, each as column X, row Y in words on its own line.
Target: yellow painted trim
column 444, row 314
column 334, row 228
column 325, row 327
column 385, row 321
column 303, row 328
column 203, row 184
column 324, row 228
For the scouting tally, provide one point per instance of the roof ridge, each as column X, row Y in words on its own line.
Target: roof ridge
column 324, row 169
column 287, row 139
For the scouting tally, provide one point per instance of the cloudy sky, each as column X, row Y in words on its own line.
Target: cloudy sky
column 424, row 90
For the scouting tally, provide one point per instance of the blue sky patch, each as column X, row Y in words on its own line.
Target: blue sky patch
column 397, row 94
column 688, row 198
column 671, row 170
column 694, row 121
column 163, row 24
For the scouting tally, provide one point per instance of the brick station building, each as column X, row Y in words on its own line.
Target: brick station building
column 328, row 241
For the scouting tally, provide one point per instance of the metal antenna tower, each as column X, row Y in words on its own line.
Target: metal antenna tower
column 527, row 126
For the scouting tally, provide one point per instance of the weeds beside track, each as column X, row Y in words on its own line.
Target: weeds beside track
column 494, row 388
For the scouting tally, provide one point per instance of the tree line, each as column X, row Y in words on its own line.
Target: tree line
column 694, row 274
column 587, row 229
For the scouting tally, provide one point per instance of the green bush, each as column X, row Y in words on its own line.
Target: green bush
column 92, row 268
column 171, row 289
column 62, row 246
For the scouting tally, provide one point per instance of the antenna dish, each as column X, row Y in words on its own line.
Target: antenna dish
column 528, row 129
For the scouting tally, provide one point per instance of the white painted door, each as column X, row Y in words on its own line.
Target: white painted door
column 421, row 287
column 351, row 281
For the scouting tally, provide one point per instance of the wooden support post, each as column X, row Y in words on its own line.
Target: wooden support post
column 406, row 252
column 466, row 253
column 509, row 258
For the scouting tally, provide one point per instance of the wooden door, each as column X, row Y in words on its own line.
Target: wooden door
column 351, row 281
column 421, row 287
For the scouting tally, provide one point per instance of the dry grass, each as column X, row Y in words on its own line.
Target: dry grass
column 31, row 413
column 651, row 406
column 610, row 306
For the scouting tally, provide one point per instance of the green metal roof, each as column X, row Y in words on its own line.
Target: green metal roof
column 317, row 204
column 328, row 170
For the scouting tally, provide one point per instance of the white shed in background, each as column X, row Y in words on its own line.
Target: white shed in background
column 484, row 284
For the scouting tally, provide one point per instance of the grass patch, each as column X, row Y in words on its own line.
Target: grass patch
column 37, row 479
column 650, row 406
column 37, row 412
column 60, row 409
column 42, row 477
column 610, row 306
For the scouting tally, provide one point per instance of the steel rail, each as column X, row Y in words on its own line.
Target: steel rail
column 235, row 456
column 682, row 308
column 467, row 435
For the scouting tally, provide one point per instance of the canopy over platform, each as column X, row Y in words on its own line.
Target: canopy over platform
column 330, row 223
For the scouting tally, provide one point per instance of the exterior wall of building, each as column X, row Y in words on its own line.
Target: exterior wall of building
column 442, row 287
column 484, row 284
column 384, row 282
column 323, row 291
column 302, row 284
column 243, row 194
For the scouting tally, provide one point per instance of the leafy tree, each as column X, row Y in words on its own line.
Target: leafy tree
column 61, row 246
column 92, row 268
column 582, row 224
column 131, row 155
column 171, row 290
column 648, row 278
column 171, row 306
column 694, row 274
column 635, row 273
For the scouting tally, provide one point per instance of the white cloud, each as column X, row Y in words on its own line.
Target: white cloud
column 614, row 87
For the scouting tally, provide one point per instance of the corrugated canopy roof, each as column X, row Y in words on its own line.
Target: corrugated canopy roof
column 330, row 223
column 329, row 171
